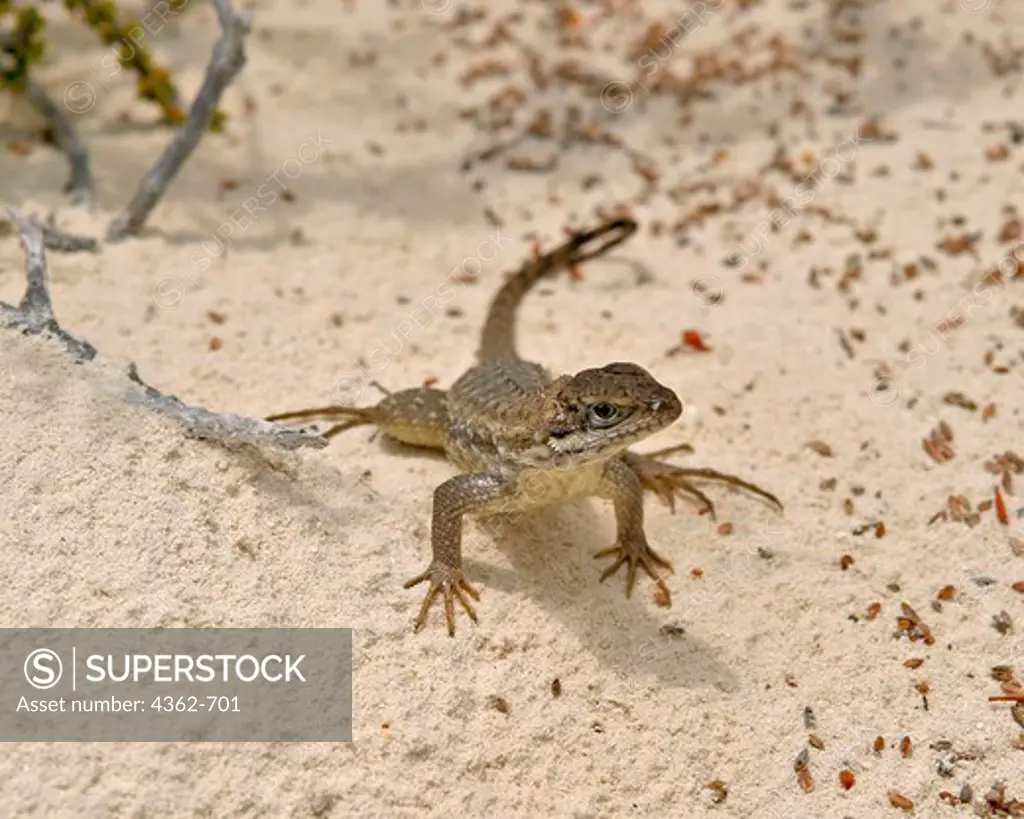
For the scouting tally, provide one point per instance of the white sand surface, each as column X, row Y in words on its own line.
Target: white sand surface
column 111, row 516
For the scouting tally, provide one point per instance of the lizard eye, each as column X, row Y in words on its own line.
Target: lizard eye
column 602, row 414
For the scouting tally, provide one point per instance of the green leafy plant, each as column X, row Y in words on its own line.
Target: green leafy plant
column 23, row 45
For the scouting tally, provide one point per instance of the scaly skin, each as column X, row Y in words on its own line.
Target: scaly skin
column 524, row 439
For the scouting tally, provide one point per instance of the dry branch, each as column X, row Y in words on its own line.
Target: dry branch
column 227, row 60
column 55, row 239
column 35, row 316
column 81, row 185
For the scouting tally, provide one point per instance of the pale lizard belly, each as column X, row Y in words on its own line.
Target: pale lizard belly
column 535, row 488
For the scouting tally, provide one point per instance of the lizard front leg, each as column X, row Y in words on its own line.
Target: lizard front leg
column 468, row 492
column 622, row 486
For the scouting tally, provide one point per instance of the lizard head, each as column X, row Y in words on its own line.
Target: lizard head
column 598, row 413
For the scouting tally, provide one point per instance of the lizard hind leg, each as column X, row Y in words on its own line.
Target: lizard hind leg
column 416, row 416
column 353, row 417
column 669, row 482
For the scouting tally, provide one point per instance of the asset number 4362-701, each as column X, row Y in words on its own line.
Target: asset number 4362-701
column 196, row 704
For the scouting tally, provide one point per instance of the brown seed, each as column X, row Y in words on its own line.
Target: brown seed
column 997, row 153
column 1019, row 587
column 923, row 687
column 815, row 742
column 946, row 593
column 958, row 399
column 874, row 610
column 1010, row 231
column 898, row 800
column 1001, row 512
column 803, row 776
column 725, row 528
column 845, row 562
column 216, row 343
column 906, row 749
column 695, row 341
column 720, row 791
column 821, row 448
column 955, row 245
column 556, row 687
column 499, row 704
column 847, row 779
column 1002, row 622
column 879, row 745
column 18, row 148
column 914, row 662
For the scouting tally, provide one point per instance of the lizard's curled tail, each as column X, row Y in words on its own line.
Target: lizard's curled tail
column 498, row 341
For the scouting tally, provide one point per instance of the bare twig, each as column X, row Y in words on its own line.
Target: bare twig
column 35, row 312
column 202, row 423
column 81, row 185
column 55, row 239
column 227, row 60
column 34, row 315
column 61, row 241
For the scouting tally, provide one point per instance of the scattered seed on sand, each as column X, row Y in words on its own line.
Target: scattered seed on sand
column 958, row 399
column 823, row 449
column 898, row 800
column 1002, row 622
column 719, row 791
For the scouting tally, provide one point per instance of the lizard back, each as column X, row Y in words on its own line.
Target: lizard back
column 493, row 409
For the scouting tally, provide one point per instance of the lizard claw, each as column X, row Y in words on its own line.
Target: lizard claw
column 449, row 581
column 637, row 554
column 669, row 482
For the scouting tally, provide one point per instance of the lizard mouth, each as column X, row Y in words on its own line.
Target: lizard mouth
column 595, row 444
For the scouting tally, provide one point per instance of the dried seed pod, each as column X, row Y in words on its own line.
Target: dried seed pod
column 898, row 800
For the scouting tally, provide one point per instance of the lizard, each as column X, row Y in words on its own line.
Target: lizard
column 524, row 438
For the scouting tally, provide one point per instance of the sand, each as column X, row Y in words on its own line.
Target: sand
column 848, row 324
